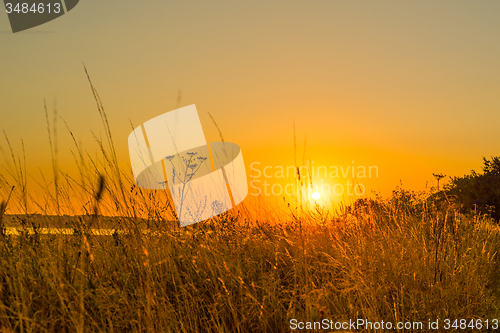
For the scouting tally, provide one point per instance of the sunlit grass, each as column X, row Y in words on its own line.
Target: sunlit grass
column 410, row 257
column 388, row 261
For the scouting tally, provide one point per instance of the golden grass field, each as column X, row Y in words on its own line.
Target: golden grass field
column 408, row 257
column 392, row 260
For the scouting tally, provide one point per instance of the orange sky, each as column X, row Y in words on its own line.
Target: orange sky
column 409, row 87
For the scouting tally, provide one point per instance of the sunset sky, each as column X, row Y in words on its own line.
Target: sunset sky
column 410, row 87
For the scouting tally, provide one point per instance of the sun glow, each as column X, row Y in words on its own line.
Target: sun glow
column 316, row 195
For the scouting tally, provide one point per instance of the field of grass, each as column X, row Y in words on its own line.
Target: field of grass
column 395, row 260
column 410, row 257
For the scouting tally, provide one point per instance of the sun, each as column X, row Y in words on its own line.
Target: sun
column 316, row 195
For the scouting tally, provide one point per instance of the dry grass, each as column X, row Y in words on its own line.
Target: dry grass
column 231, row 275
column 406, row 258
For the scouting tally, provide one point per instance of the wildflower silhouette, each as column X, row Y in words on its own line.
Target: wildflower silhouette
column 170, row 150
column 192, row 165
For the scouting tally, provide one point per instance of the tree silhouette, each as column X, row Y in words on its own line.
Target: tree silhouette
column 478, row 191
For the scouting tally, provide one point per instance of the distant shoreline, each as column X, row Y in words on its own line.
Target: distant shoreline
column 65, row 221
